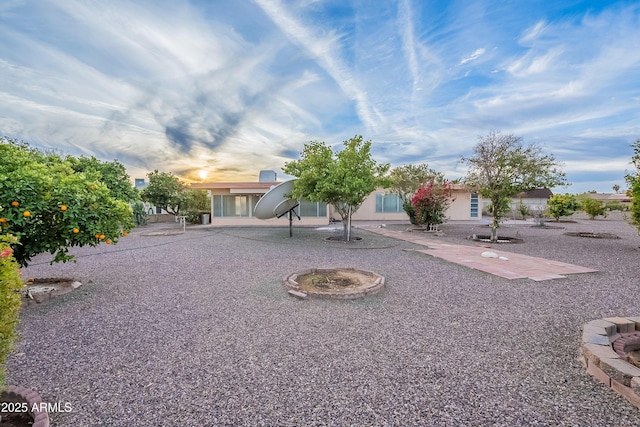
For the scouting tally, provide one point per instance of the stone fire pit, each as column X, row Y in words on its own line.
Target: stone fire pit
column 610, row 349
column 340, row 283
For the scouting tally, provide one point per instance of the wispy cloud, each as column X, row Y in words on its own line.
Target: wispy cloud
column 475, row 55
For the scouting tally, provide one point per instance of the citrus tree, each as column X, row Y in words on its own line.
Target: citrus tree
column 50, row 207
column 112, row 174
column 502, row 166
column 343, row 179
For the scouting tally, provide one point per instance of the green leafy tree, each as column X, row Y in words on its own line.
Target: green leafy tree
column 165, row 191
column 10, row 284
column 406, row 180
column 592, row 207
column 501, row 167
column 112, row 174
column 343, row 179
column 50, row 208
column 562, row 205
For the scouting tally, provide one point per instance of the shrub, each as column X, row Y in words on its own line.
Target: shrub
column 523, row 209
column 561, row 205
column 593, row 207
column 430, row 203
column 635, row 204
column 408, row 208
column 614, row 205
column 10, row 299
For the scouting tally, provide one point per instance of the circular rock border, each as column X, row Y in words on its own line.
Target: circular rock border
column 485, row 238
column 14, row 394
column 592, row 235
column 40, row 291
column 372, row 288
column 603, row 362
column 340, row 239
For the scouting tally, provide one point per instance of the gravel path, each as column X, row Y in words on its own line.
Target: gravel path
column 197, row 329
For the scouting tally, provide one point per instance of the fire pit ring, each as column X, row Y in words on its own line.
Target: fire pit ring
column 336, row 283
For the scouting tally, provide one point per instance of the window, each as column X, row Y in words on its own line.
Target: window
column 315, row 209
column 474, row 205
column 230, row 205
column 388, row 203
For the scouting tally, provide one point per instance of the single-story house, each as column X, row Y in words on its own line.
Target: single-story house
column 536, row 200
column 233, row 203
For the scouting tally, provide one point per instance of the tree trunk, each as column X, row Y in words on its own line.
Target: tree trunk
column 496, row 220
column 349, row 224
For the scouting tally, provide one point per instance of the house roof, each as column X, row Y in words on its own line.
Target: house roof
column 235, row 185
column 605, row 197
column 538, row 193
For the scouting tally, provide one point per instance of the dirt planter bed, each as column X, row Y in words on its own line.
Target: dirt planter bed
column 29, row 400
column 609, row 348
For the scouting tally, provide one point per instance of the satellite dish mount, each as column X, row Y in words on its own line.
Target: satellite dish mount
column 291, row 213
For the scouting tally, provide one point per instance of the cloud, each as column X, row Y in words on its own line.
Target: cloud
column 475, row 55
column 532, row 33
column 236, row 87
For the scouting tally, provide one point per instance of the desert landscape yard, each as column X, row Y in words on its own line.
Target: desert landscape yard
column 198, row 329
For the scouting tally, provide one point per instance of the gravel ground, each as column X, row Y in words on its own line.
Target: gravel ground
column 197, row 329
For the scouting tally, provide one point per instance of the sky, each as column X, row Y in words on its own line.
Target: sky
column 217, row 90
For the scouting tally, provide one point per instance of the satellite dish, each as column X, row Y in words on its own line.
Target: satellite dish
column 275, row 203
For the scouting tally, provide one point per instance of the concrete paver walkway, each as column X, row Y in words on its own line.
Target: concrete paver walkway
column 516, row 266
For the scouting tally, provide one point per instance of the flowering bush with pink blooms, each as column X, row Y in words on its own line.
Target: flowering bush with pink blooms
column 431, row 201
column 10, row 299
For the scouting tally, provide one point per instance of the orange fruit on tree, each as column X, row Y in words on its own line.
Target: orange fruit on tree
column 108, row 242
column 76, row 230
column 3, row 220
column 97, row 236
column 63, row 208
column 14, row 203
column 124, row 233
column 27, row 214
column 101, row 236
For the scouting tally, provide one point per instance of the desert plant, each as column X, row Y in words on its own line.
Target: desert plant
column 10, row 300
column 140, row 215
